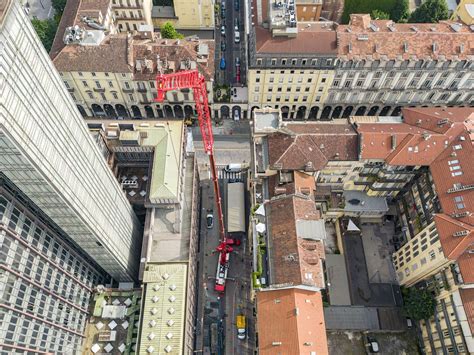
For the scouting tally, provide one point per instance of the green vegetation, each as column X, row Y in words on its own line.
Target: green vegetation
column 58, row 6
column 46, row 30
column 418, row 303
column 221, row 93
column 168, row 31
column 379, row 15
column 430, row 11
column 396, row 10
column 261, row 251
column 254, row 208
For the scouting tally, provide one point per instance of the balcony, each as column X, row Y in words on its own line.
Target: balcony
column 128, row 90
column 99, row 89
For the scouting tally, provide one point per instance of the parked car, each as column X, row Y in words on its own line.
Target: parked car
column 236, row 115
column 222, row 64
column 210, row 220
column 236, row 24
column 372, row 345
column 222, row 30
column 222, row 46
column 237, row 37
column 236, row 5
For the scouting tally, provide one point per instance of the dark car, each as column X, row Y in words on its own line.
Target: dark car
column 223, row 46
column 236, row 5
column 222, row 64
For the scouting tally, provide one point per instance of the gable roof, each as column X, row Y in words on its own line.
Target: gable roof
column 294, row 259
column 291, row 322
column 311, row 145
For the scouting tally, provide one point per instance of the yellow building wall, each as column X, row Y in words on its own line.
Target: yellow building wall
column 195, row 14
column 265, row 83
column 420, row 258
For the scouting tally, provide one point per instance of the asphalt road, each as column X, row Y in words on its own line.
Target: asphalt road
column 212, row 307
column 233, row 50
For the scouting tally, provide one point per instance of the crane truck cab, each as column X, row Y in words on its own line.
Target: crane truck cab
column 240, row 322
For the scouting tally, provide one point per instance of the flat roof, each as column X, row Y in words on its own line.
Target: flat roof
column 164, row 309
column 366, row 203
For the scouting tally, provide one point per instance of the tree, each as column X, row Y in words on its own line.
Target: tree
column 46, row 30
column 168, row 31
column 418, row 303
column 379, row 15
column 58, row 6
column 399, row 12
column 430, row 11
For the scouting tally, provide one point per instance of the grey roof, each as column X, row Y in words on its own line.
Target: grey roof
column 308, row 229
column 266, row 120
column 366, row 203
column 162, row 12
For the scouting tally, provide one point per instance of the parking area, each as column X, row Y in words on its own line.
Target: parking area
column 342, row 343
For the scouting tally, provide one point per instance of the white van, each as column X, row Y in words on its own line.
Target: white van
column 237, row 37
column 234, row 168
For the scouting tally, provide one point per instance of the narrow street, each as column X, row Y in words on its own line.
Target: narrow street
column 212, row 307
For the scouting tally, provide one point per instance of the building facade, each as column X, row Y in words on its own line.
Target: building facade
column 115, row 76
column 131, row 14
column 323, row 71
column 187, row 15
column 46, row 280
column 48, row 153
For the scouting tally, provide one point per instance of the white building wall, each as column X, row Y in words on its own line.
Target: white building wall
column 47, row 151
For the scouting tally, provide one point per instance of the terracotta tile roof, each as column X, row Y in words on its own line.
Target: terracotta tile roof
column 467, row 296
column 67, row 20
column 377, row 39
column 302, row 183
column 119, row 53
column 315, row 143
column 312, row 40
column 293, row 260
column 453, row 241
column 109, row 56
column 291, row 322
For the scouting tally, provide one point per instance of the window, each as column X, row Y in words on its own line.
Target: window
column 298, row 88
column 130, row 96
column 306, row 89
column 123, row 75
column 98, row 84
column 152, row 84
column 271, row 80
column 459, row 201
column 93, row 74
column 257, row 89
column 335, row 83
column 300, row 79
column 270, row 89
column 359, row 83
column 269, row 98
column 80, row 73
column 111, row 84
column 303, row 62
column 106, row 74
column 103, row 96
column 432, row 255
column 293, row 62
column 91, row 95
column 259, row 61
column 274, row 61
column 283, row 61
column 257, row 80
column 305, row 98
column 114, row 94
column 85, row 83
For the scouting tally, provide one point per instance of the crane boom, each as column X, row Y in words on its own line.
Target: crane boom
column 192, row 79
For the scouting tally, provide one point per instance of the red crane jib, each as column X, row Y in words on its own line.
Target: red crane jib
column 192, row 79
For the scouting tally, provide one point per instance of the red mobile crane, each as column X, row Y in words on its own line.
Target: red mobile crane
column 192, row 79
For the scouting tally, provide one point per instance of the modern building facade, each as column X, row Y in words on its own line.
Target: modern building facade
column 323, row 71
column 46, row 280
column 48, row 153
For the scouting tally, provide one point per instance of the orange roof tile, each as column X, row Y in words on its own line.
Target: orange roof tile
column 291, row 322
column 294, row 260
column 366, row 38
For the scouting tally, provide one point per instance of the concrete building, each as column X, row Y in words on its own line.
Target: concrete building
column 464, row 12
column 115, row 74
column 131, row 14
column 47, row 152
column 187, row 16
column 317, row 70
column 46, row 279
column 437, row 251
column 308, row 10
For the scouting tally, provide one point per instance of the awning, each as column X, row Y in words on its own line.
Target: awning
column 261, row 228
column 260, row 210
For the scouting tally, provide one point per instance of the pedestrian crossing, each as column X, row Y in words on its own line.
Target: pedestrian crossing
column 224, row 175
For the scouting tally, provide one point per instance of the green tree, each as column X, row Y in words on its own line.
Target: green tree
column 58, row 6
column 46, row 30
column 380, row 15
column 418, row 303
column 400, row 12
column 168, row 31
column 430, row 11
